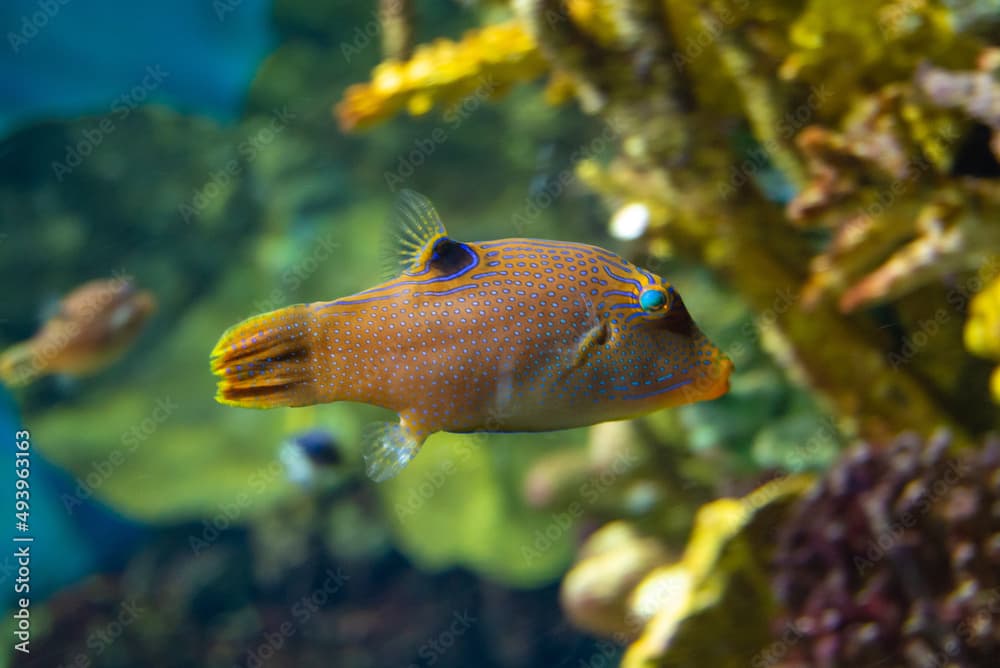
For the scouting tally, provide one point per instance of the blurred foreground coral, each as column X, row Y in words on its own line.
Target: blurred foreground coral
column 894, row 557
column 982, row 331
column 484, row 63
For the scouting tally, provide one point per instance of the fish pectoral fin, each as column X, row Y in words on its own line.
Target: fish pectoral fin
column 388, row 447
column 594, row 338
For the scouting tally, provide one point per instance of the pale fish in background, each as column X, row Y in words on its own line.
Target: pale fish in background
column 91, row 328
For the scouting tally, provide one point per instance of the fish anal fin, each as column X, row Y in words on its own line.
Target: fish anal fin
column 415, row 230
column 388, row 448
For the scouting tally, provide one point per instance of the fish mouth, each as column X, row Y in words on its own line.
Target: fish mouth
column 711, row 384
column 719, row 379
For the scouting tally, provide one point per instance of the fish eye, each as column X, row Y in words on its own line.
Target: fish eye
column 652, row 300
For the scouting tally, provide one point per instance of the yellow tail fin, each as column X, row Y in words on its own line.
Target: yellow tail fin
column 266, row 361
column 18, row 366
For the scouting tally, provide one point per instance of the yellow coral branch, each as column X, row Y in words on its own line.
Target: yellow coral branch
column 486, row 61
column 719, row 579
column 982, row 330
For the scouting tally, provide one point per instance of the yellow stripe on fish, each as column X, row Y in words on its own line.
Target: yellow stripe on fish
column 501, row 336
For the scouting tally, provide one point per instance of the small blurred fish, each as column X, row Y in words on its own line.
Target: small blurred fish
column 308, row 456
column 93, row 326
column 500, row 336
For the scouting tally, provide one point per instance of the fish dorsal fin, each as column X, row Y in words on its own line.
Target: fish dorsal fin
column 415, row 230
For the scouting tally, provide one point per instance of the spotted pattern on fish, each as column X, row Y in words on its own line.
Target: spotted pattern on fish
column 510, row 335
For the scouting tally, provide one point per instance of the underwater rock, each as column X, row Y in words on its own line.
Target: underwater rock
column 875, row 138
column 172, row 608
column 893, row 558
column 611, row 563
column 727, row 235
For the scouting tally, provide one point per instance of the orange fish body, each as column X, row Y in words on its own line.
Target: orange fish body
column 95, row 324
column 510, row 335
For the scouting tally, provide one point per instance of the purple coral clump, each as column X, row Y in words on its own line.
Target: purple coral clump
column 894, row 559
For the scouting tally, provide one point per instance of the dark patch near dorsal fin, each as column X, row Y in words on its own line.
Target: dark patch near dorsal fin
column 449, row 256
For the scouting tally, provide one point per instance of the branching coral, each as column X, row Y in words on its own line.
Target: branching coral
column 396, row 21
column 899, row 224
column 882, row 42
column 935, row 235
column 485, row 63
column 977, row 93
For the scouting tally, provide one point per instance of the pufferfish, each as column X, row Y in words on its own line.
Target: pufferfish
column 515, row 335
column 93, row 326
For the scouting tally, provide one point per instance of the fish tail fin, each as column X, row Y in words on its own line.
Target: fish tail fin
column 267, row 361
column 388, row 447
column 18, row 366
